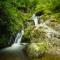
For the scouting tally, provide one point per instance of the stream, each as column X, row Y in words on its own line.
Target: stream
column 13, row 56
column 15, row 52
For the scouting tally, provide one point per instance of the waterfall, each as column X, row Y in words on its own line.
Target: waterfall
column 18, row 38
column 35, row 19
column 48, row 29
column 17, row 47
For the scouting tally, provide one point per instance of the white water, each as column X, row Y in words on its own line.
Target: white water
column 17, row 42
column 46, row 27
column 18, row 38
column 35, row 19
column 17, row 47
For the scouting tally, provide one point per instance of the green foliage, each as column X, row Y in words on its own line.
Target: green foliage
column 13, row 13
column 27, row 35
column 10, row 21
column 11, row 17
column 37, row 49
column 38, row 35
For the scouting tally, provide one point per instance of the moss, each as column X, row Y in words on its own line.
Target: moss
column 38, row 35
column 14, row 13
column 27, row 35
column 37, row 49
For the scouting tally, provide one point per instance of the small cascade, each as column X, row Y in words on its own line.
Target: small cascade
column 48, row 29
column 17, row 47
column 35, row 19
column 17, row 44
column 18, row 38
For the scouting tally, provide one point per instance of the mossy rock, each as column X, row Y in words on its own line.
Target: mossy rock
column 38, row 35
column 37, row 49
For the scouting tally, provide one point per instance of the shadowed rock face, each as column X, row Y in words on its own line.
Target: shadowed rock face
column 39, row 13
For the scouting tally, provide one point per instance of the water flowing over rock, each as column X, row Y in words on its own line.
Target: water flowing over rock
column 17, row 47
column 40, row 39
column 18, row 38
column 44, row 33
column 35, row 19
column 50, row 32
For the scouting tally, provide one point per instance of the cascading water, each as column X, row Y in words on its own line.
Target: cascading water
column 35, row 19
column 17, row 47
column 17, row 43
column 47, row 28
column 18, row 38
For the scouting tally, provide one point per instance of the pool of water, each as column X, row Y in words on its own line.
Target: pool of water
column 14, row 56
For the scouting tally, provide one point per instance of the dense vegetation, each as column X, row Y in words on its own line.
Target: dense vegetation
column 14, row 13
